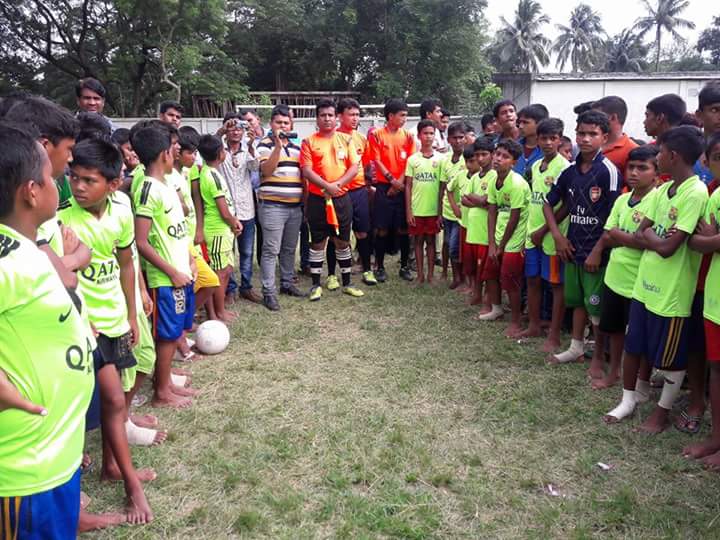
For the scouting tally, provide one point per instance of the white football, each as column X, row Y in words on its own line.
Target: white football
column 212, row 337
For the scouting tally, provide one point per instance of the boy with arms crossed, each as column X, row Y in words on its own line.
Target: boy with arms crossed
column 451, row 165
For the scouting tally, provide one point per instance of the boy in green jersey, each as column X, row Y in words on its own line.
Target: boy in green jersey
column 42, row 400
column 625, row 217
column 162, row 240
column 451, row 165
column 468, row 252
column 663, row 292
column 508, row 200
column 475, row 200
column 541, row 261
column 108, row 286
column 220, row 226
column 421, row 199
column 707, row 240
column 456, row 188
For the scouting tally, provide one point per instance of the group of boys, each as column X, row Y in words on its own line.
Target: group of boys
column 111, row 240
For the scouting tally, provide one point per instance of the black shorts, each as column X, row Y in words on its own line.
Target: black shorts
column 317, row 220
column 361, row 210
column 614, row 311
column 696, row 326
column 116, row 351
column 389, row 212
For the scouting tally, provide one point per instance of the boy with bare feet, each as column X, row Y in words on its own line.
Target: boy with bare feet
column 468, row 252
column 475, row 200
column 663, row 293
column 162, row 240
column 588, row 190
column 622, row 269
column 541, row 261
column 219, row 221
column 108, row 287
column 508, row 200
column 451, row 165
column 422, row 187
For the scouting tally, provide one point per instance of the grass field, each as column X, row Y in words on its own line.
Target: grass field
column 398, row 416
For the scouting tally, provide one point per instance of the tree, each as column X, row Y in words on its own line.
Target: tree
column 663, row 17
column 624, row 52
column 581, row 41
column 521, row 45
column 709, row 42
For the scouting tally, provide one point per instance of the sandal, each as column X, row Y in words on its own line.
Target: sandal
column 686, row 420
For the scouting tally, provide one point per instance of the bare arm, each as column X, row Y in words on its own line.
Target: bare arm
column 127, row 282
column 199, row 213
column 67, row 276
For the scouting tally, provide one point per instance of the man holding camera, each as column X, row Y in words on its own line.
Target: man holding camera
column 279, row 206
column 240, row 162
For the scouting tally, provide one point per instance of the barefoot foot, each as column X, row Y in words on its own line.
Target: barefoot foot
column 702, row 449
column 114, row 475
column 137, row 508
column 93, row 522
column 656, row 423
column 171, row 400
column 605, row 382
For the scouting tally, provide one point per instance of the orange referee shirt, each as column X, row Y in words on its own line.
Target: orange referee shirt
column 329, row 157
column 361, row 146
column 392, row 150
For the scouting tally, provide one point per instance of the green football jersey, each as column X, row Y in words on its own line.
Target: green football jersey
column 425, row 183
column 182, row 185
column 212, row 187
column 448, row 171
column 137, row 175
column 477, row 224
column 46, row 355
column 457, row 185
column 622, row 268
column 541, row 182
column 667, row 285
column 157, row 201
column 49, row 233
column 64, row 191
column 711, row 310
column 100, row 281
column 513, row 194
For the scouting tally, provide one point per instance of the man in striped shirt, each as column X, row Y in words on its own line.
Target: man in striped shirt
column 279, row 206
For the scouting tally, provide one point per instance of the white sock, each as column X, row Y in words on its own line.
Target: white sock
column 642, row 391
column 577, row 349
column 495, row 313
column 671, row 388
column 626, row 406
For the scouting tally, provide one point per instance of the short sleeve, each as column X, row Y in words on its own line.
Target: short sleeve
column 146, row 200
column 373, row 147
column 362, row 146
column 558, row 191
column 127, row 229
column 613, row 219
column 213, row 185
column 492, row 193
column 410, row 167
column 306, row 154
column 264, row 149
column 692, row 210
column 518, row 197
column 410, row 149
column 352, row 153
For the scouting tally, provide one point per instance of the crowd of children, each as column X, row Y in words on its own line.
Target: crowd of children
column 111, row 240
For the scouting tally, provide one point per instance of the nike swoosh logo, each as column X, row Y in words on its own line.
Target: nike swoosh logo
column 63, row 318
column 168, row 211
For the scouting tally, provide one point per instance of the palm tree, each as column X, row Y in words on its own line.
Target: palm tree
column 522, row 44
column 663, row 17
column 581, row 41
column 624, row 52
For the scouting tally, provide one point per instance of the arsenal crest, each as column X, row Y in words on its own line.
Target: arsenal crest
column 673, row 213
column 637, row 216
column 549, row 180
column 595, row 193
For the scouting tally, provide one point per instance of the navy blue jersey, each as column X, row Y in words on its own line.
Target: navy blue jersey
column 589, row 198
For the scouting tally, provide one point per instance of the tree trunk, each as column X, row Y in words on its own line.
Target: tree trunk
column 658, row 36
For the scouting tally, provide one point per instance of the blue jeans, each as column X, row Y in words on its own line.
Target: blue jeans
column 451, row 232
column 245, row 249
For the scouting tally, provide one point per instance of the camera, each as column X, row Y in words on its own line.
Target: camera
column 288, row 135
column 243, row 124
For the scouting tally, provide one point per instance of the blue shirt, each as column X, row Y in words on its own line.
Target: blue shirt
column 703, row 172
column 523, row 164
column 589, row 198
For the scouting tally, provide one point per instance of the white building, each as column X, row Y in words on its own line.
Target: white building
column 560, row 92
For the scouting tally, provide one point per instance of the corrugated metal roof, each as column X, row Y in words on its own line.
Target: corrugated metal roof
column 597, row 76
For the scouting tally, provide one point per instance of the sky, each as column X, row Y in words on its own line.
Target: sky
column 616, row 14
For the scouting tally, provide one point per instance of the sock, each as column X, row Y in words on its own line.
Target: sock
column 363, row 246
column 671, row 388
column 404, row 241
column 626, row 406
column 331, row 258
column 344, row 259
column 380, row 242
column 642, row 391
column 495, row 313
column 577, row 349
column 316, row 259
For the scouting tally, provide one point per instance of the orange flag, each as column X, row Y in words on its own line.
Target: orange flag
column 331, row 216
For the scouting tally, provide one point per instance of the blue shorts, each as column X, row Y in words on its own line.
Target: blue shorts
column 361, row 210
column 451, row 235
column 173, row 310
column 552, row 269
column 533, row 262
column 663, row 341
column 389, row 212
column 50, row 514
